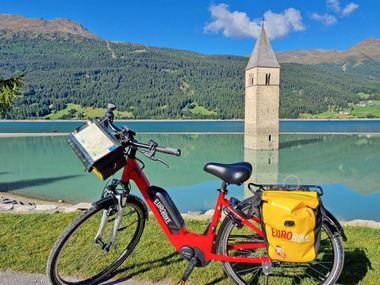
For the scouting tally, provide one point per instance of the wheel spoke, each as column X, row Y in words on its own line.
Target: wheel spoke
column 321, row 264
column 87, row 264
column 317, row 271
column 254, row 276
column 250, row 270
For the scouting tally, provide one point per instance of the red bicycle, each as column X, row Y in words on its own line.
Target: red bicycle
column 101, row 238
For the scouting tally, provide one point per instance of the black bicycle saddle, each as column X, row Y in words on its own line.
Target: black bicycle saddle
column 234, row 173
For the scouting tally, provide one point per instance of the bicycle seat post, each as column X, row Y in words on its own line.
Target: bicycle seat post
column 223, row 188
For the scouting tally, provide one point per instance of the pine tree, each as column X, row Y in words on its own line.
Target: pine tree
column 9, row 90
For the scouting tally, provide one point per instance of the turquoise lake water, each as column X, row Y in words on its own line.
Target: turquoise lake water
column 346, row 165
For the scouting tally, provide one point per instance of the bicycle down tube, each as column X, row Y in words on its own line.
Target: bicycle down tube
column 204, row 242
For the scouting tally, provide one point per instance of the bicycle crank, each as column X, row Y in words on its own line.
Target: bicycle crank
column 190, row 267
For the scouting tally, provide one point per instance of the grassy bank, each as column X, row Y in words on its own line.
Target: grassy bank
column 25, row 242
column 77, row 112
column 363, row 110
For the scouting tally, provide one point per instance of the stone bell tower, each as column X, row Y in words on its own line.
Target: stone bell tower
column 262, row 97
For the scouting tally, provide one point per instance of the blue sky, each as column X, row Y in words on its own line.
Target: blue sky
column 216, row 27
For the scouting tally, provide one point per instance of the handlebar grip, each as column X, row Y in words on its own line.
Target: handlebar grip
column 169, row 150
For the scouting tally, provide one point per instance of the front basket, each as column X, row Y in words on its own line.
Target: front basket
column 97, row 148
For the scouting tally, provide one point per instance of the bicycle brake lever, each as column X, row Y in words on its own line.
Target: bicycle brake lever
column 151, row 156
column 159, row 160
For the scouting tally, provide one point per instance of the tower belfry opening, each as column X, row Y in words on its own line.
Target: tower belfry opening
column 262, row 97
column 267, row 79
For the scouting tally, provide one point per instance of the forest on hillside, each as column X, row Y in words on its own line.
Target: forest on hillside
column 159, row 83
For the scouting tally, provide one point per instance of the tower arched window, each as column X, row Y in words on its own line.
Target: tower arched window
column 270, row 138
column 267, row 79
column 251, row 79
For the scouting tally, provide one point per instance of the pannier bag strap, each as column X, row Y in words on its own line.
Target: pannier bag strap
column 255, row 203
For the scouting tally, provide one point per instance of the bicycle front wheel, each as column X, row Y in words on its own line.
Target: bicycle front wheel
column 325, row 269
column 77, row 258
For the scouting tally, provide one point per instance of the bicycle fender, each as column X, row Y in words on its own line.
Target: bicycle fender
column 136, row 200
column 109, row 200
column 333, row 224
column 106, row 201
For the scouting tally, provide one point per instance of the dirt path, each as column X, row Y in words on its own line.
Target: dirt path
column 18, row 278
column 113, row 54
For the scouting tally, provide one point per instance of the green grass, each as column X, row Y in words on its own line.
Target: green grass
column 200, row 110
column 75, row 111
column 371, row 110
column 25, row 242
column 56, row 115
column 363, row 95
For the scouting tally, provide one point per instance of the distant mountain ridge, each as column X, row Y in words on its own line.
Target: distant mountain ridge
column 367, row 49
column 14, row 24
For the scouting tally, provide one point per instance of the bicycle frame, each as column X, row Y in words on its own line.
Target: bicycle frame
column 204, row 242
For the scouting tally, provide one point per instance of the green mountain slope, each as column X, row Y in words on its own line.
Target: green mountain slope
column 148, row 82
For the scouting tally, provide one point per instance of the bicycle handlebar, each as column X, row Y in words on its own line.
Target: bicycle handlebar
column 126, row 136
column 167, row 150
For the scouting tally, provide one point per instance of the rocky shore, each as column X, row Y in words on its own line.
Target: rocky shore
column 11, row 203
column 18, row 204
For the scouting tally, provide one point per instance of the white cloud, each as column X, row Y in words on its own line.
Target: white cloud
column 326, row 19
column 335, row 6
column 279, row 25
column 238, row 24
column 233, row 24
column 349, row 9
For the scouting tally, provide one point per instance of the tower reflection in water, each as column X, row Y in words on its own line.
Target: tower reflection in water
column 265, row 165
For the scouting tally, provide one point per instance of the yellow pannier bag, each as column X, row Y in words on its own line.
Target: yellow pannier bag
column 292, row 224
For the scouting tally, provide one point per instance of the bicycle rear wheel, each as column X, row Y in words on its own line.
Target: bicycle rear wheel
column 325, row 269
column 77, row 258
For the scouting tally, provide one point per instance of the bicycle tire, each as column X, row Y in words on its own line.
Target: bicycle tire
column 283, row 272
column 78, row 235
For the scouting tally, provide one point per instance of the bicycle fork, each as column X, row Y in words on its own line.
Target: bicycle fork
column 121, row 205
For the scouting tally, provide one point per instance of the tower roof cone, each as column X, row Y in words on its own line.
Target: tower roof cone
column 262, row 55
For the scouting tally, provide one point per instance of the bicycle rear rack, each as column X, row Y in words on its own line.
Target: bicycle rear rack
column 285, row 187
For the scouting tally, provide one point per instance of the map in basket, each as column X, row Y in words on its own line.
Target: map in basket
column 94, row 141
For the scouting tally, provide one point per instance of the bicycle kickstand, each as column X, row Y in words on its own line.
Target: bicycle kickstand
column 190, row 267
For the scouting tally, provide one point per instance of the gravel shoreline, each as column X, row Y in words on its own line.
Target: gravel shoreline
column 21, row 204
column 17, row 278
